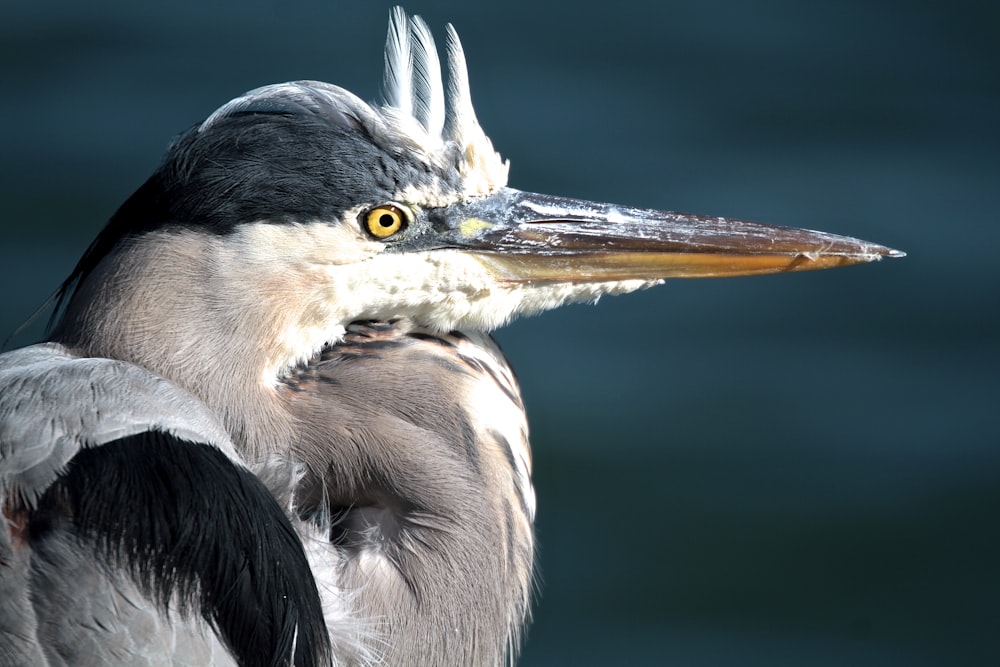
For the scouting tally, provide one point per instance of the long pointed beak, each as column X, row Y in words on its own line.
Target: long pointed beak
column 530, row 237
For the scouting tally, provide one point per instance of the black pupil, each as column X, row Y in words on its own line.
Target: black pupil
column 386, row 220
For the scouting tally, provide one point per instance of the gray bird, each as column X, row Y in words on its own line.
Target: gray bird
column 269, row 426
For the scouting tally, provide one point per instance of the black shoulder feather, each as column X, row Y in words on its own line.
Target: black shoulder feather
column 195, row 529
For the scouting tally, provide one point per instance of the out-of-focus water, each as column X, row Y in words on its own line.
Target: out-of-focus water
column 793, row 470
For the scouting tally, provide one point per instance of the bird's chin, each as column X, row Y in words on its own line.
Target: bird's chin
column 507, row 289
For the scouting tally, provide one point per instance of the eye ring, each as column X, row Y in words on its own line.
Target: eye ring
column 386, row 220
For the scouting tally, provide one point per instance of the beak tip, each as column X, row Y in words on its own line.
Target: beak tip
column 871, row 252
column 860, row 253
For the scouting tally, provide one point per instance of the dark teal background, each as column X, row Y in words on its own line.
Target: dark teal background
column 791, row 470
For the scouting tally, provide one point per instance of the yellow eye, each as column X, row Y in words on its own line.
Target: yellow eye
column 385, row 220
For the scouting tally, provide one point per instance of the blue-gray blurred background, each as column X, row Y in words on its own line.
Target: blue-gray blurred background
column 791, row 470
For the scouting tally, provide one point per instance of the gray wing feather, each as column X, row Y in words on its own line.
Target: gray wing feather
column 87, row 615
column 57, row 606
column 53, row 403
column 18, row 623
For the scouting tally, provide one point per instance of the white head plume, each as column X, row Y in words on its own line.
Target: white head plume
column 434, row 124
column 415, row 104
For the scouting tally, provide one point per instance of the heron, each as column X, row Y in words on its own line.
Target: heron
column 269, row 424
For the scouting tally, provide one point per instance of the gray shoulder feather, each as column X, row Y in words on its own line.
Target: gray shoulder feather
column 53, row 403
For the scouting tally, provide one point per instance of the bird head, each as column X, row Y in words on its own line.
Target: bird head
column 301, row 206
